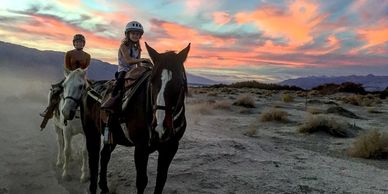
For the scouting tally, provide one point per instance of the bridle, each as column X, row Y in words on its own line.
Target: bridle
column 172, row 113
column 77, row 101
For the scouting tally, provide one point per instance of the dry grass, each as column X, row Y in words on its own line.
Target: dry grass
column 314, row 110
column 245, row 100
column 370, row 145
column 274, row 115
column 287, row 98
column 204, row 108
column 313, row 93
column 223, row 105
column 373, row 110
column 251, row 131
column 323, row 123
column 212, row 94
column 360, row 100
column 301, row 94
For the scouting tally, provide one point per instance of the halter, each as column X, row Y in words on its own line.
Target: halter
column 77, row 101
column 171, row 112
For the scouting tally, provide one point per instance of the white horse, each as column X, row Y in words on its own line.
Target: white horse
column 67, row 126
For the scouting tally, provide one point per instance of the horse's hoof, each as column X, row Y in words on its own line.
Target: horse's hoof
column 66, row 177
column 104, row 192
column 89, row 192
column 59, row 164
column 104, row 188
column 84, row 179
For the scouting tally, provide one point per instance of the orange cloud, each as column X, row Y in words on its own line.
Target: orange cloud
column 374, row 36
column 179, row 33
column 61, row 31
column 296, row 23
column 46, row 32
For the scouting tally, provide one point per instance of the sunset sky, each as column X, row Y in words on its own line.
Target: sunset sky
column 261, row 40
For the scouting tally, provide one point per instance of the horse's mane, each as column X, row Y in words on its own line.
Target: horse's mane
column 75, row 73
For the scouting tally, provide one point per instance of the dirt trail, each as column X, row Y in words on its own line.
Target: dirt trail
column 214, row 156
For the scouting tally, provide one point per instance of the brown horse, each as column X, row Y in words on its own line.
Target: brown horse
column 155, row 121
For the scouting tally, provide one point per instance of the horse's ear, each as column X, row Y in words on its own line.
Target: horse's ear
column 152, row 52
column 183, row 54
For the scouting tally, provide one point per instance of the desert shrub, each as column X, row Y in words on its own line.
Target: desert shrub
column 255, row 84
column 225, row 105
column 351, row 87
column 348, row 87
column 226, row 90
column 287, row 98
column 370, row 145
column 302, row 94
column 212, row 94
column 341, row 111
column 204, row 108
column 384, row 93
column 314, row 110
column 326, row 89
column 374, row 110
column 313, row 93
column 359, row 100
column 274, row 115
column 323, row 123
column 245, row 101
column 250, row 131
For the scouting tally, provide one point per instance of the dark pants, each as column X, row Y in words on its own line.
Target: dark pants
column 120, row 79
column 112, row 104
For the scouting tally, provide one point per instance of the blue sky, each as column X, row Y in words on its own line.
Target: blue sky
column 263, row 40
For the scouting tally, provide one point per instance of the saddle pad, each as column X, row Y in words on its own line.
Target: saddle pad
column 133, row 75
column 130, row 91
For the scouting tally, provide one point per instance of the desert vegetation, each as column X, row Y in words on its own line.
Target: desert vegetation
column 370, row 145
column 245, row 100
column 326, row 124
column 274, row 114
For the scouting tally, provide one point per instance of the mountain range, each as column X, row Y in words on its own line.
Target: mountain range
column 29, row 62
column 48, row 65
column 369, row 82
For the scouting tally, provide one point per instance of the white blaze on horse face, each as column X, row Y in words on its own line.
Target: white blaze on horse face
column 160, row 114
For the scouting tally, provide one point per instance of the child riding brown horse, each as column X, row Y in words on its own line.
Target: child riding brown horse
column 154, row 120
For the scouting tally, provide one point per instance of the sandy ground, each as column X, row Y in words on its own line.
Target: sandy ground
column 215, row 155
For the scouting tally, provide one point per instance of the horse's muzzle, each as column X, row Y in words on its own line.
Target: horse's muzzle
column 68, row 115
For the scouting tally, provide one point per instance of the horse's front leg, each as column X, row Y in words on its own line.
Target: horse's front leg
column 60, row 142
column 167, row 152
column 93, row 145
column 105, row 157
column 84, row 168
column 67, row 149
column 141, row 160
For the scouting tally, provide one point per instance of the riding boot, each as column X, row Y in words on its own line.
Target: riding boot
column 113, row 103
column 47, row 114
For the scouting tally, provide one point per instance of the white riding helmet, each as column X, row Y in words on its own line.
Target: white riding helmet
column 134, row 26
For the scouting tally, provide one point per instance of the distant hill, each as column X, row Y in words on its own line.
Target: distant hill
column 48, row 65
column 369, row 82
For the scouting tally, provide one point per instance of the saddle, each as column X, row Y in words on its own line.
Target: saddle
column 133, row 79
column 101, row 92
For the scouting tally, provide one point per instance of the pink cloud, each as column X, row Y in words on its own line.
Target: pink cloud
column 221, row 17
column 295, row 24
